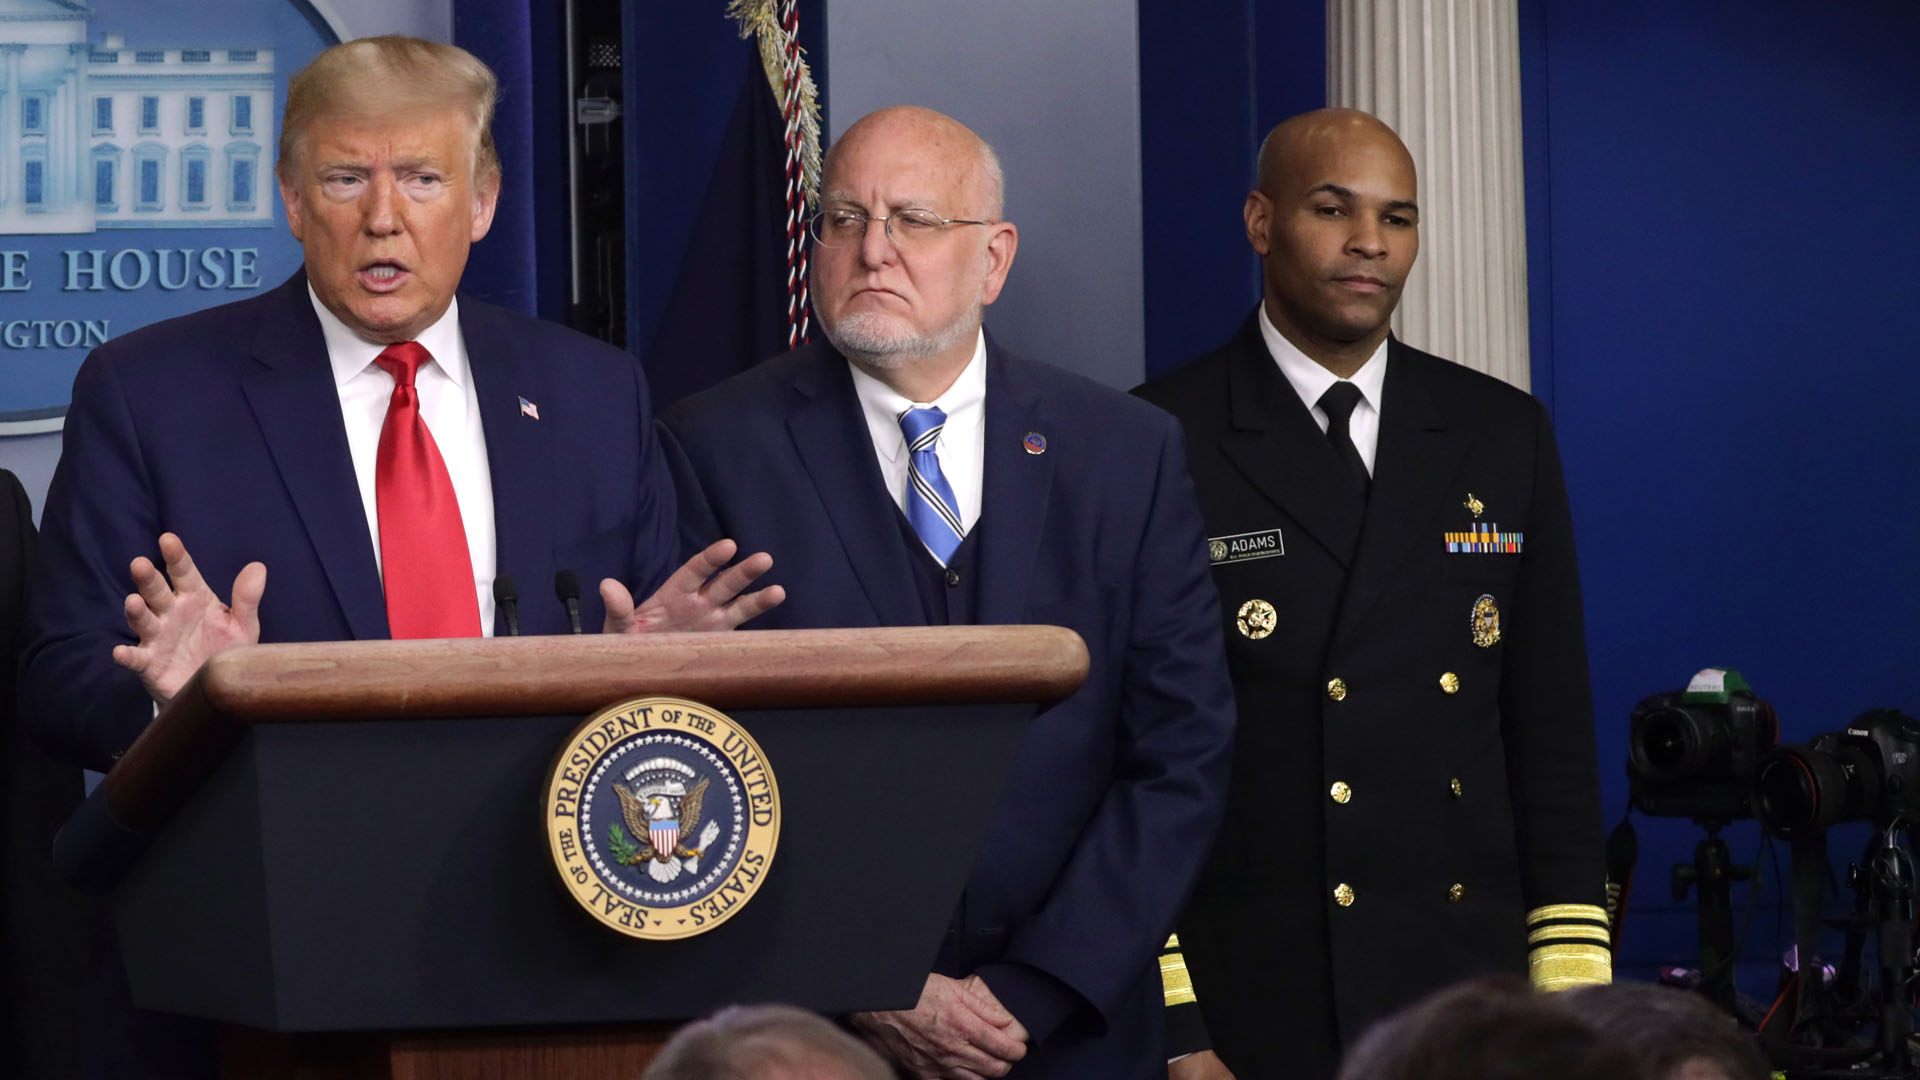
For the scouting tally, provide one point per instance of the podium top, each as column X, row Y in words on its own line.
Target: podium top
column 544, row 676
column 541, row 676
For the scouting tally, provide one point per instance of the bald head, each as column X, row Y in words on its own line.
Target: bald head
column 1309, row 137
column 1336, row 223
column 970, row 161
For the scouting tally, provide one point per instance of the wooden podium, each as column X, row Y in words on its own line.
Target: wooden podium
column 337, row 849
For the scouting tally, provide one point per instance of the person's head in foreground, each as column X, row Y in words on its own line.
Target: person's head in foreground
column 1676, row 1035
column 765, row 1042
column 1495, row 1027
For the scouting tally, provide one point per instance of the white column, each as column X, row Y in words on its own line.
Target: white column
column 79, row 160
column 59, row 102
column 10, row 176
column 1445, row 74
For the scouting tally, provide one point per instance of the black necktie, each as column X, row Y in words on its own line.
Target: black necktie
column 1338, row 403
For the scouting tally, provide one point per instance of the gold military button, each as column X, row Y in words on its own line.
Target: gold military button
column 1453, row 785
column 1450, row 683
column 1456, row 892
column 1343, row 894
column 1337, row 689
column 1340, row 792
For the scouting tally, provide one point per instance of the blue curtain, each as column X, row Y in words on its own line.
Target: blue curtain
column 522, row 264
column 705, row 206
column 706, row 262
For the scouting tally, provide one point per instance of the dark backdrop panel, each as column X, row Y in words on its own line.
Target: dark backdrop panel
column 1722, row 245
column 1213, row 79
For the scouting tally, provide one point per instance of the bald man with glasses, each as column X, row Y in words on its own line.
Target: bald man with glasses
column 908, row 472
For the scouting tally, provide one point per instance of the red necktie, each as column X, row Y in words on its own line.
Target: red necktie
column 423, row 544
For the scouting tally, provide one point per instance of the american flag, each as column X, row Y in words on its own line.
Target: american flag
column 528, row 408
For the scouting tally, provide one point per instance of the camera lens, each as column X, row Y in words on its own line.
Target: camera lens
column 1786, row 794
column 1805, row 787
column 1668, row 744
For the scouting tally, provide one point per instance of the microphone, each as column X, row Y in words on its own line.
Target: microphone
column 566, row 585
column 507, row 599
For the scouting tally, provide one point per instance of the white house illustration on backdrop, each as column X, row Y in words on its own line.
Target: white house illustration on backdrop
column 96, row 135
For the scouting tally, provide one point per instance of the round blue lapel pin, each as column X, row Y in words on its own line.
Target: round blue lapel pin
column 1035, row 443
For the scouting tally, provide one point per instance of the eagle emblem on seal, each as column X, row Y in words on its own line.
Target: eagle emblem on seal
column 659, row 814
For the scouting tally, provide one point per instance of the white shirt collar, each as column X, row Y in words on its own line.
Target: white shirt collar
column 1310, row 380
column 350, row 354
column 883, row 405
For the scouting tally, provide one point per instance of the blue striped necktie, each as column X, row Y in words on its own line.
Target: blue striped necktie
column 931, row 508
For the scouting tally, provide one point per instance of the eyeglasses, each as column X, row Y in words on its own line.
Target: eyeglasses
column 908, row 229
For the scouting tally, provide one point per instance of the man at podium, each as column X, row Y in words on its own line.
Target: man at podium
column 393, row 453
column 913, row 472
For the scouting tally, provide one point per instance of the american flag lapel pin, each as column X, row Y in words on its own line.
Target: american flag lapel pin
column 528, row 408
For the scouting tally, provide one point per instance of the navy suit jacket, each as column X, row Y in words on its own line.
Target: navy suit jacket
column 1117, row 791
column 224, row 426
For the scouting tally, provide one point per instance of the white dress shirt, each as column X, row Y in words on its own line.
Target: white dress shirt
column 962, row 441
column 1310, row 380
column 451, row 411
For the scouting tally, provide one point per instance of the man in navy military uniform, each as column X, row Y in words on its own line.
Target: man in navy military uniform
column 1414, row 795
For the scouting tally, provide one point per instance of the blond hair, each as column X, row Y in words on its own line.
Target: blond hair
column 377, row 78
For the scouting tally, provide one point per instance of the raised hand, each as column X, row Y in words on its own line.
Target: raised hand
column 704, row 594
column 182, row 624
column 958, row 1031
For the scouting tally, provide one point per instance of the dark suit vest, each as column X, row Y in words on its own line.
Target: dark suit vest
column 948, row 594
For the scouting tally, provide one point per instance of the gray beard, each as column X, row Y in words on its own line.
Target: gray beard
column 864, row 339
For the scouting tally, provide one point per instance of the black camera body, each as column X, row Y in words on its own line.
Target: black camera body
column 1694, row 753
column 1869, row 772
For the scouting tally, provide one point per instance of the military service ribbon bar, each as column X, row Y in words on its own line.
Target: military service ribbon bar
column 1485, row 539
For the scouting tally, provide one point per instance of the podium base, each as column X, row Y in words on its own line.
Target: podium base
column 592, row 1054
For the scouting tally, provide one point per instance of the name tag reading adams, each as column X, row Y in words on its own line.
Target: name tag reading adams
column 1240, row 547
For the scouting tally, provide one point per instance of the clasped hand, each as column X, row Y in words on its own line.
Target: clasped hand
column 958, row 1031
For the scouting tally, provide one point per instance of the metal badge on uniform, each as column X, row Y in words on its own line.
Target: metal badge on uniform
column 1473, row 504
column 1256, row 619
column 1240, row 547
column 1485, row 538
column 1486, row 622
column 1035, row 443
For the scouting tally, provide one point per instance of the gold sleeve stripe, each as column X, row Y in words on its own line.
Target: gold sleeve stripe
column 1175, row 983
column 1562, row 967
column 1569, row 932
column 1580, row 912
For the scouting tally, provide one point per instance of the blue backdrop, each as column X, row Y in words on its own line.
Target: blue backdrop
column 1722, row 268
column 1213, row 80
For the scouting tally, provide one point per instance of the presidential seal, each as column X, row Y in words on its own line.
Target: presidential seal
column 662, row 816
